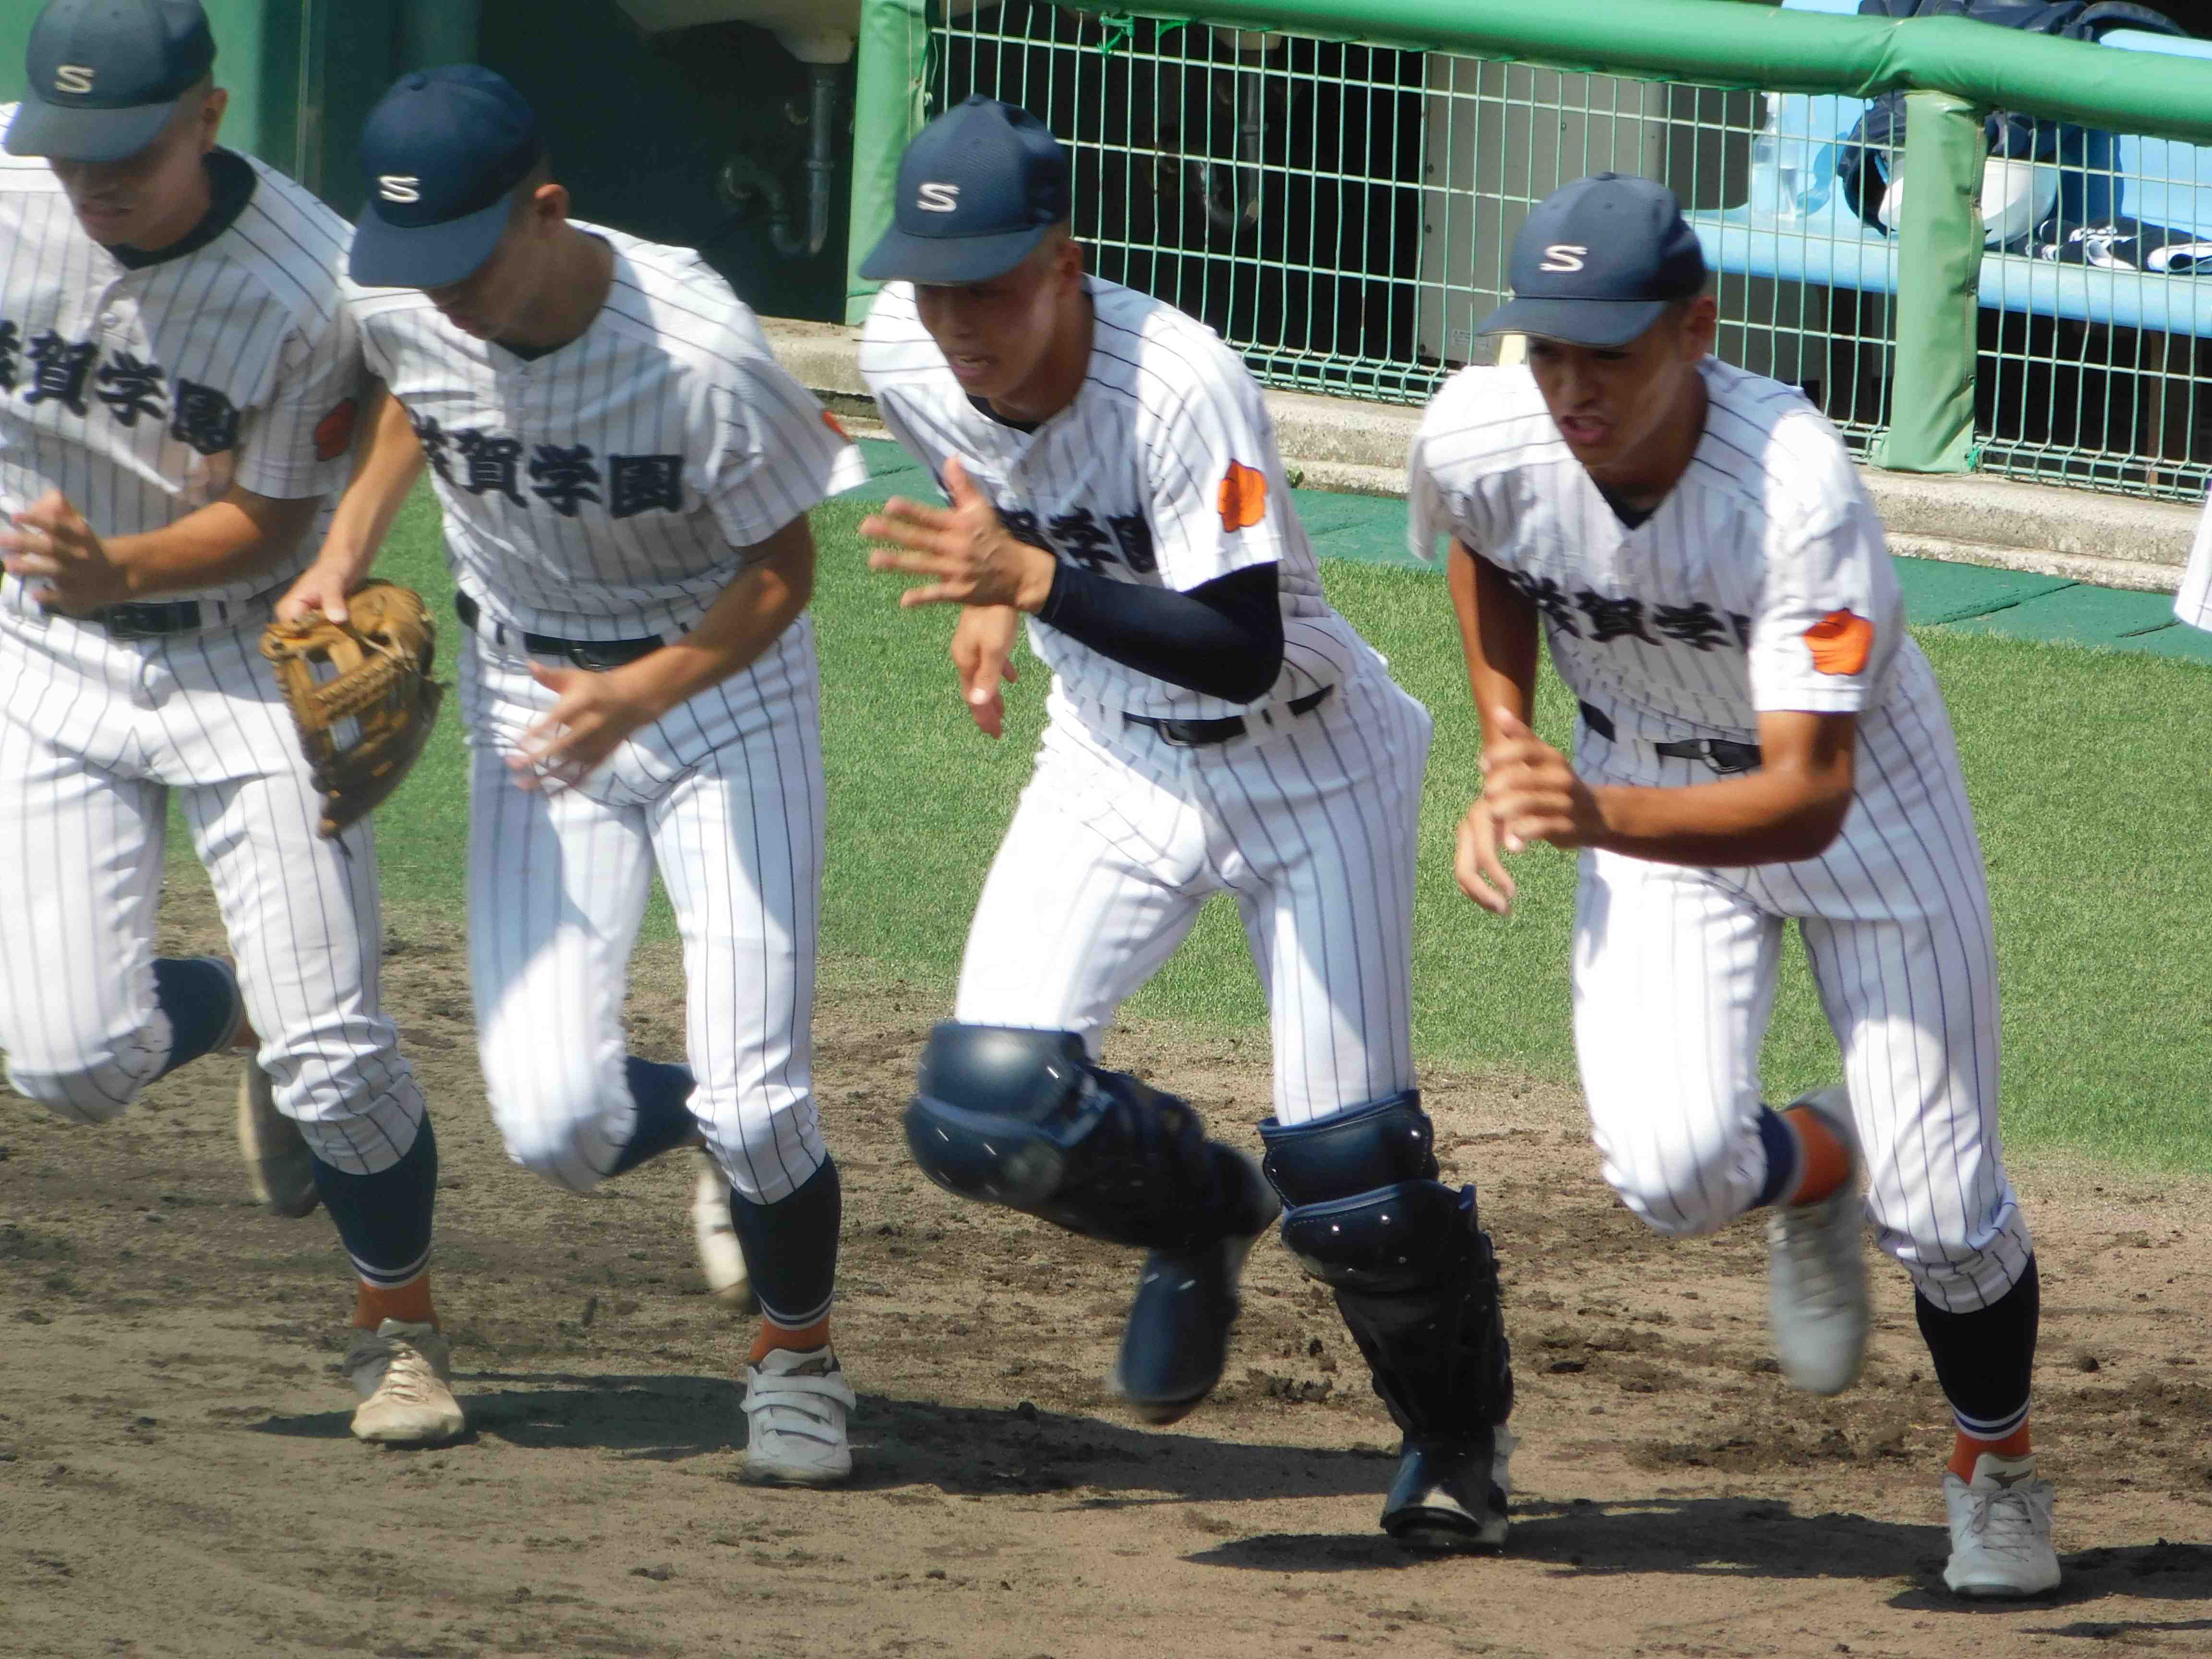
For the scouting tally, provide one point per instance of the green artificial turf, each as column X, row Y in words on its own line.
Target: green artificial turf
column 2080, row 761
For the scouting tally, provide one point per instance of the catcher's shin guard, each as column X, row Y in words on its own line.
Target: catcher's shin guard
column 1022, row 1118
column 1417, row 1284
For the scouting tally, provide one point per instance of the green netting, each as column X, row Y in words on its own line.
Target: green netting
column 1342, row 211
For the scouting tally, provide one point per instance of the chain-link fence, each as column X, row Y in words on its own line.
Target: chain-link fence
column 1343, row 214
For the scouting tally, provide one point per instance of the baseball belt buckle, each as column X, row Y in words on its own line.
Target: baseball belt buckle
column 1726, row 757
column 147, row 622
column 597, row 657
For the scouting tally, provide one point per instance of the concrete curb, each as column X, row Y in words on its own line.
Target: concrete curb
column 1360, row 448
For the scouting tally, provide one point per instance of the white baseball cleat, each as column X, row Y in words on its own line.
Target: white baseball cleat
column 795, row 1407
column 1816, row 1272
column 278, row 1165
column 1999, row 1530
column 403, row 1373
column 721, row 1261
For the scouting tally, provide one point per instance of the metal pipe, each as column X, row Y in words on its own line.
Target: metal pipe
column 1238, row 205
column 743, row 177
column 821, row 162
column 1771, row 51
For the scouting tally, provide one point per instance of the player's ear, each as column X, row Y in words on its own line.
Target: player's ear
column 1700, row 323
column 207, row 119
column 548, row 207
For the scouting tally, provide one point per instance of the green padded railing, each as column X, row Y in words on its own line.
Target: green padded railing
column 1335, row 188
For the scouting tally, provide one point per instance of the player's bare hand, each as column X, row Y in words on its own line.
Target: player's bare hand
column 592, row 713
column 972, row 556
column 1482, row 874
column 53, row 548
column 320, row 587
column 982, row 655
column 1533, row 791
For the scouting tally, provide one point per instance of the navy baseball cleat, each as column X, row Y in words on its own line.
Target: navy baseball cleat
column 1450, row 1494
column 1176, row 1339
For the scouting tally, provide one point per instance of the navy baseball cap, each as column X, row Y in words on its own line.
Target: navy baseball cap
column 1598, row 261
column 104, row 76
column 442, row 152
column 978, row 188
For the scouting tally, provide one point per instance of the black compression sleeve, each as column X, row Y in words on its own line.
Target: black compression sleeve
column 1223, row 638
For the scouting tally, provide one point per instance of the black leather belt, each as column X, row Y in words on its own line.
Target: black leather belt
column 1200, row 734
column 149, row 622
column 597, row 655
column 1723, row 755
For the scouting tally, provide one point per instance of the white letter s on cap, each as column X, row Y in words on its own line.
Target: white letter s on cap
column 72, row 77
column 398, row 187
column 1562, row 256
column 938, row 199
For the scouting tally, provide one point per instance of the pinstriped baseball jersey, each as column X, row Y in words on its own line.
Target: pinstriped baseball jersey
column 142, row 394
column 142, row 389
column 607, row 490
column 1163, row 471
column 1761, row 583
column 597, row 492
column 2193, row 603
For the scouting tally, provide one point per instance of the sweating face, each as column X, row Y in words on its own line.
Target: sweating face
column 1611, row 403
column 488, row 302
column 156, row 197
column 996, row 334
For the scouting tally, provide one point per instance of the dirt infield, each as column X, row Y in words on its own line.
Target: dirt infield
column 176, row 1476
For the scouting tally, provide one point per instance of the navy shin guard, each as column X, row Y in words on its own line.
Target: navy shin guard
column 1022, row 1118
column 1412, row 1270
column 1417, row 1285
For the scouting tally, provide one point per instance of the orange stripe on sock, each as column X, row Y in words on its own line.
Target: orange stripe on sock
column 774, row 1336
column 1825, row 1164
column 373, row 1305
column 1966, row 1451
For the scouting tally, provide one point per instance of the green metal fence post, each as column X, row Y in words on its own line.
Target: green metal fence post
column 890, row 89
column 1939, row 257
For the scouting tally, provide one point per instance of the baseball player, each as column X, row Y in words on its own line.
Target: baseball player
column 1759, row 740
column 178, row 390
column 1214, row 725
column 625, row 475
column 2193, row 603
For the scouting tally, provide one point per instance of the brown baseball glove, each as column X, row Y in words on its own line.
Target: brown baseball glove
column 361, row 695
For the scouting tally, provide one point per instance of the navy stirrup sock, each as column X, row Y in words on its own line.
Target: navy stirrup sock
column 664, row 1119
column 384, row 1219
column 791, row 1247
column 201, row 999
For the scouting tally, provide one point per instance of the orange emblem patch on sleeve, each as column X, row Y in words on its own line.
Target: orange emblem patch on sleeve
column 836, row 426
column 1840, row 642
column 1243, row 497
column 334, row 432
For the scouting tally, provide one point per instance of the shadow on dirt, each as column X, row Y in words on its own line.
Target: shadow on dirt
column 665, row 1418
column 1751, row 1538
column 959, row 1450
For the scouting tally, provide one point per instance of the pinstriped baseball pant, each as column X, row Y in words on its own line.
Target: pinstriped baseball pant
column 1674, row 973
column 1310, row 824
column 96, row 735
column 724, row 797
